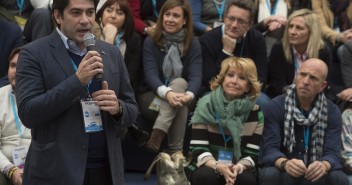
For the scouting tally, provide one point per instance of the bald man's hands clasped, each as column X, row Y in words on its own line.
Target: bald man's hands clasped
column 297, row 168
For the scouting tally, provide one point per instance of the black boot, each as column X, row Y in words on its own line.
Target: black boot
column 138, row 135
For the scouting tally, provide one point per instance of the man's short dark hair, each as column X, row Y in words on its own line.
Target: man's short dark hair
column 60, row 5
column 244, row 4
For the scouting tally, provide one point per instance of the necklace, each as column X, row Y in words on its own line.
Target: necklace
column 219, row 3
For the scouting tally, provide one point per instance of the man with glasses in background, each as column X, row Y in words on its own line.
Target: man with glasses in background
column 235, row 37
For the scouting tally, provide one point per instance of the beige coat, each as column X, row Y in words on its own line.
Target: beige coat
column 326, row 18
column 9, row 135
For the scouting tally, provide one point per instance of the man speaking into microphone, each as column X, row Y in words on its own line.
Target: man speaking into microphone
column 74, row 101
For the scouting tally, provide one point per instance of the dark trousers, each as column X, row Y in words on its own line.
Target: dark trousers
column 206, row 175
column 275, row 176
column 97, row 176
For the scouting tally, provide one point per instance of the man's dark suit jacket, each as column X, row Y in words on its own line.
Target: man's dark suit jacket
column 48, row 97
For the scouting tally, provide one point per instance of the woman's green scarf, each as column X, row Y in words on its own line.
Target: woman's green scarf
column 232, row 114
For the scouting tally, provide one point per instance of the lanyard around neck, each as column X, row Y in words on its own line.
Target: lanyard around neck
column 226, row 139
column 220, row 10
column 155, row 11
column 76, row 68
column 118, row 39
column 295, row 63
column 273, row 11
column 17, row 120
column 20, row 5
column 306, row 137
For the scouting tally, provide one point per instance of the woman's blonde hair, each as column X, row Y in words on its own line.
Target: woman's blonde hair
column 247, row 67
column 187, row 14
column 315, row 41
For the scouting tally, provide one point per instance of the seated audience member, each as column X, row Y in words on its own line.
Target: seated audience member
column 346, row 65
column 207, row 14
column 139, row 25
column 302, row 40
column 270, row 19
column 13, row 135
column 40, row 23
column 17, row 11
column 172, row 61
column 302, row 133
column 117, row 28
column 335, row 18
column 149, row 11
column 226, row 128
column 234, row 38
column 347, row 141
column 346, row 95
column 10, row 37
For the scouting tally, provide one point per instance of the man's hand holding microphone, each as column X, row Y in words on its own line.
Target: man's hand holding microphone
column 91, row 67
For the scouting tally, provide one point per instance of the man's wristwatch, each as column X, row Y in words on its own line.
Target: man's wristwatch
column 283, row 164
column 121, row 109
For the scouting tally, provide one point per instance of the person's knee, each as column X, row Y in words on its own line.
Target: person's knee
column 203, row 175
column 337, row 177
column 266, row 174
column 247, row 178
column 179, row 85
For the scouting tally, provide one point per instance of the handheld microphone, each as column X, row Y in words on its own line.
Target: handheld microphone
column 89, row 42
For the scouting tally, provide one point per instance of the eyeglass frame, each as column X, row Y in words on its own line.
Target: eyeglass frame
column 239, row 21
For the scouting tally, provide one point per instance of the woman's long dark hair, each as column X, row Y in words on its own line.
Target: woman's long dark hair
column 128, row 25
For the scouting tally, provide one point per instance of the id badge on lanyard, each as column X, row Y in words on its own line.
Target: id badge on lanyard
column 217, row 24
column 224, row 156
column 91, row 116
column 19, row 155
column 155, row 104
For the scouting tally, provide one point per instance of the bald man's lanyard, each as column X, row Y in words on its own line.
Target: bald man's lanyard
column 90, row 110
column 306, row 147
column 306, row 131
